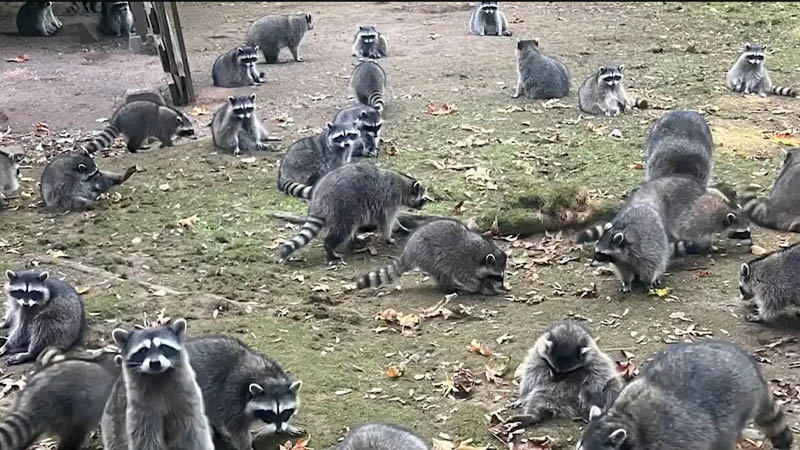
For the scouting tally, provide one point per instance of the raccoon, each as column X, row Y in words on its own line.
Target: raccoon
column 237, row 67
column 310, row 158
column 460, row 260
column 771, row 282
column 116, row 19
column 780, row 211
column 48, row 312
column 565, row 374
column 139, row 120
column 381, row 436
column 72, row 182
column 680, row 143
column 352, row 196
column 369, row 43
column 157, row 403
column 604, row 94
column 539, row 75
column 9, row 174
column 145, row 95
column 750, row 76
column 692, row 226
column 272, row 33
column 368, row 84
column 241, row 387
column 706, row 391
column 89, row 7
column 63, row 398
column 487, row 20
column 37, row 19
column 368, row 122
column 236, row 127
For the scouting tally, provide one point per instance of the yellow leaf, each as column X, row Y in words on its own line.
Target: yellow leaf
column 83, row 290
column 789, row 139
column 394, row 372
column 660, row 292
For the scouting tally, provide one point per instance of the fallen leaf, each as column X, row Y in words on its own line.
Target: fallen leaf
column 19, row 58
column 436, row 109
column 537, row 443
column 201, row 110
column 434, row 36
column 320, row 288
column 136, row 241
column 660, row 292
column 164, row 187
column 188, row 222
column 615, row 133
column 504, row 338
column 789, row 139
column 249, row 160
column 478, row 348
column 757, row 250
column 83, row 290
column 394, row 372
column 343, row 392
column 56, row 253
column 463, row 383
column 159, row 293
column 300, row 444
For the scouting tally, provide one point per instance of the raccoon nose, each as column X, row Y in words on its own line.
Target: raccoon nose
column 155, row 364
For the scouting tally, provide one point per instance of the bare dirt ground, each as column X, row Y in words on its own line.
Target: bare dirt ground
column 138, row 254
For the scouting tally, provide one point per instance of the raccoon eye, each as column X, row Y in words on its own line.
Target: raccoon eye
column 36, row 295
column 168, row 351
column 81, row 167
column 287, row 414
column 139, row 356
column 18, row 293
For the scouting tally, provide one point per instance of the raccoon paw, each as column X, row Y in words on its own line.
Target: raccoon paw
column 294, row 431
column 763, row 95
column 507, row 33
column 391, row 241
column 754, row 318
column 19, row 358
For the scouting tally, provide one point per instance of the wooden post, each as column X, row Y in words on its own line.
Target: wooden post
column 142, row 41
column 180, row 84
column 184, row 56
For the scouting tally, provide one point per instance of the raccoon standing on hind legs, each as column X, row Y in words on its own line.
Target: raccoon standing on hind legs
column 116, row 19
column 37, row 19
column 604, row 94
column 750, row 76
column 486, row 19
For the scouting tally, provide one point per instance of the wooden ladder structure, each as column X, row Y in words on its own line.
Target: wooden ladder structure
column 157, row 30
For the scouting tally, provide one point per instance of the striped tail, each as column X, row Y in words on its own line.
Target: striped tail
column 784, row 91
column 18, row 431
column 104, row 140
column 382, row 276
column 593, row 233
column 772, row 420
column 757, row 208
column 375, row 100
column 299, row 190
column 640, row 103
column 307, row 232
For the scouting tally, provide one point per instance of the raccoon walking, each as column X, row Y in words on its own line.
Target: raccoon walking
column 116, row 19
column 139, row 120
column 565, row 374
column 680, row 143
column 156, row 404
column 350, row 197
column 63, row 398
column 310, row 158
column 272, row 33
column 381, row 436
column 37, row 19
column 369, row 124
column 368, row 84
column 781, row 210
column 237, row 67
column 539, row 75
column 237, row 129
column 459, row 259
column 771, row 283
column 369, row 43
column 41, row 312
column 604, row 94
column 487, row 20
column 72, row 182
column 707, row 392
column 9, row 174
column 750, row 76
column 242, row 387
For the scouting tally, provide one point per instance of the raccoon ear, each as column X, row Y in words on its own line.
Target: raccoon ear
column 308, row 18
column 416, row 188
column 490, row 259
column 81, row 168
column 330, row 125
column 535, row 42
column 730, row 219
column 239, row 50
column 294, row 387
column 252, row 96
column 178, row 326
column 747, row 47
column 622, row 67
column 231, row 100
column 585, row 350
column 255, row 389
column 11, row 275
column 43, row 276
column 602, row 69
column 120, row 337
column 361, row 28
column 744, row 271
column 618, row 436
column 594, row 412
column 764, row 47
column 178, row 120
column 17, row 157
column 363, row 114
column 608, row 226
column 256, row 48
column 618, row 239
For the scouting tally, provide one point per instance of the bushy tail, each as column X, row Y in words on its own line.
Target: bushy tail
column 299, row 190
column 307, row 232
column 592, row 234
column 104, row 140
column 784, row 91
column 640, row 103
column 18, row 431
column 757, row 208
column 382, row 276
column 375, row 100
column 771, row 419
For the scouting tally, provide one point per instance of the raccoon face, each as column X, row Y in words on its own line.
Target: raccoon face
column 367, row 34
column 243, row 107
column 611, row 247
column 413, row 193
column 611, row 75
column 492, row 272
column 600, row 434
column 27, row 288
column 273, row 403
column 247, row 56
column 755, row 53
column 184, row 128
column 84, row 167
column 563, row 356
column 738, row 225
column 370, row 122
column 341, row 137
column 747, row 282
column 489, row 8
column 9, row 174
column 152, row 351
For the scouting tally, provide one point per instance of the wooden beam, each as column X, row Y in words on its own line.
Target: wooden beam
column 184, row 57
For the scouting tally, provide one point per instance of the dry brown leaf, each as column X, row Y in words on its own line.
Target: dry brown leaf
column 19, row 58
column 201, row 110
column 394, row 372
column 478, row 348
column 789, row 139
column 758, row 250
column 300, row 444
column 436, row 109
column 537, row 443
column 188, row 222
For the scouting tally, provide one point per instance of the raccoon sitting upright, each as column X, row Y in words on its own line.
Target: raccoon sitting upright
column 459, row 259
column 697, row 396
column 37, row 19
column 272, row 33
column 781, row 210
column 565, row 374
column 237, row 67
column 750, row 76
column 368, row 84
column 350, row 197
column 604, row 94
column 369, row 123
column 381, row 436
column 72, row 182
column 771, row 282
column 156, row 404
column 310, row 158
column 9, row 174
column 48, row 313
column 236, row 127
column 139, row 120
column 369, row 43
column 64, row 397
column 116, row 19
column 680, row 143
column 539, row 75
column 242, row 387
column 487, row 20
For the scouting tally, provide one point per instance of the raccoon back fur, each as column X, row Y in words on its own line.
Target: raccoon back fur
column 381, row 436
column 459, row 259
column 37, row 19
column 369, row 123
column 680, row 143
column 72, row 182
column 749, row 74
column 9, row 174
column 603, row 93
column 771, row 282
column 116, row 19
column 353, row 196
column 368, row 84
column 781, row 210
column 369, row 43
column 237, row 67
column 272, row 33
column 539, row 75
column 486, row 19
column 706, row 391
